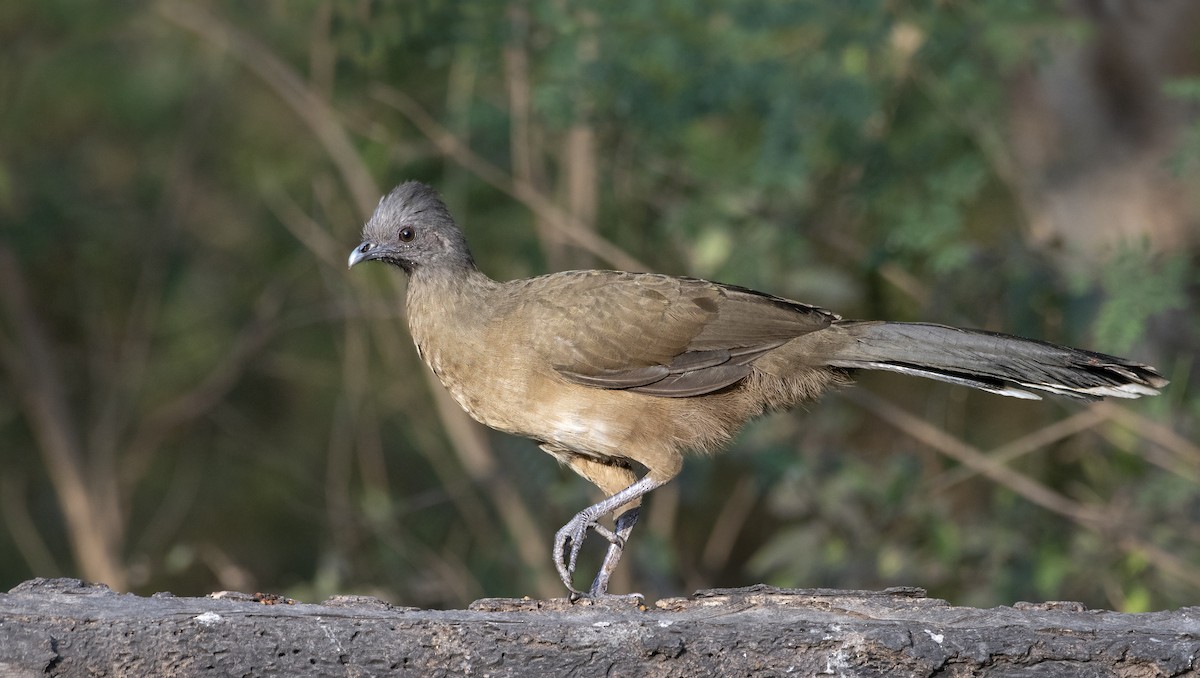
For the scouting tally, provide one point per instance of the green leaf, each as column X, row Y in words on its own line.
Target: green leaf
column 1138, row 284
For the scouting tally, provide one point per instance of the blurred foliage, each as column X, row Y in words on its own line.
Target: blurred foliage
column 1137, row 286
column 1186, row 159
column 181, row 226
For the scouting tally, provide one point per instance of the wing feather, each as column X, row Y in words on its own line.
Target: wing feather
column 658, row 335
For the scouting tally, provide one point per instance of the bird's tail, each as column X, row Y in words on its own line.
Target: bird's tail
column 998, row 363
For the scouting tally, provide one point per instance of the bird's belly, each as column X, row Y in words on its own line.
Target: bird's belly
column 580, row 430
column 538, row 406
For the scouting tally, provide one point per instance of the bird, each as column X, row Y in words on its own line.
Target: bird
column 614, row 373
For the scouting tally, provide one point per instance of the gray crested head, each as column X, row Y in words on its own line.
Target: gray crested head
column 411, row 228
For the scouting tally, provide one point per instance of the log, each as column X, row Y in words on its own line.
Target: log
column 64, row 627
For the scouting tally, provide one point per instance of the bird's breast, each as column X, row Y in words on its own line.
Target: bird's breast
column 466, row 380
column 500, row 389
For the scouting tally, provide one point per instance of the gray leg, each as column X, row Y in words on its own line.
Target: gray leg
column 571, row 535
column 625, row 523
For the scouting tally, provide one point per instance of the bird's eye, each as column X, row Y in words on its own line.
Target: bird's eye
column 407, row 234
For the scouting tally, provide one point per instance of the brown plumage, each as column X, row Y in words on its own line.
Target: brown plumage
column 611, row 370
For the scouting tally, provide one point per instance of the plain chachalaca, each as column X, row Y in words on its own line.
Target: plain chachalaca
column 612, row 371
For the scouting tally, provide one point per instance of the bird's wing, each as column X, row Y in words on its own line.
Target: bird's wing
column 655, row 334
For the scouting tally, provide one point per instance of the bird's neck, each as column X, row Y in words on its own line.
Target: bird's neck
column 454, row 280
column 448, row 297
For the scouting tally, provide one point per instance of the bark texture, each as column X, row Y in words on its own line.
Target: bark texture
column 63, row 627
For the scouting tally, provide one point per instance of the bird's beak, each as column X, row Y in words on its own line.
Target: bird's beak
column 365, row 251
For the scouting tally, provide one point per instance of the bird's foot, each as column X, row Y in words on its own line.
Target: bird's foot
column 569, row 539
column 577, row 596
column 599, row 590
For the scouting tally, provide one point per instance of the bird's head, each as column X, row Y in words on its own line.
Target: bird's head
column 412, row 229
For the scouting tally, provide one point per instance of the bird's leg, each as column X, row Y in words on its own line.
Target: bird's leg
column 625, row 523
column 571, row 535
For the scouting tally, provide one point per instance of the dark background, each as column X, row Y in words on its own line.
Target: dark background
column 196, row 395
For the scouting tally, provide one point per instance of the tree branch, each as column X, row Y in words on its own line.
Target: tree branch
column 69, row 628
column 981, row 463
column 310, row 107
column 38, row 382
column 200, row 399
column 570, row 226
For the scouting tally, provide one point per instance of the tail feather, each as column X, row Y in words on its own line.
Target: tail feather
column 998, row 363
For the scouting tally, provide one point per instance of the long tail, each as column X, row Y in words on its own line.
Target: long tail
column 998, row 363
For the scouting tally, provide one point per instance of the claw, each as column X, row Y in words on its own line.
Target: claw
column 571, row 536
